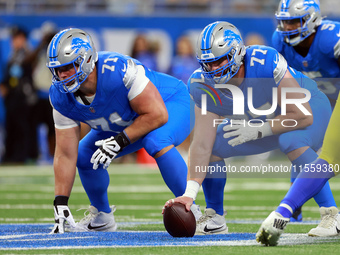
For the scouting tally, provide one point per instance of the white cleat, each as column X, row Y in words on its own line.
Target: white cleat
column 196, row 211
column 97, row 221
column 211, row 223
column 271, row 229
column 330, row 223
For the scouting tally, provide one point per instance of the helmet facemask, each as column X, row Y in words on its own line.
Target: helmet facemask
column 222, row 74
column 71, row 49
column 306, row 14
column 72, row 83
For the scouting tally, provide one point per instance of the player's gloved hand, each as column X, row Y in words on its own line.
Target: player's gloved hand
column 109, row 149
column 244, row 133
column 62, row 215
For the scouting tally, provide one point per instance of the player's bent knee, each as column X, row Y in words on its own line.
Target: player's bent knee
column 152, row 145
column 289, row 142
column 83, row 162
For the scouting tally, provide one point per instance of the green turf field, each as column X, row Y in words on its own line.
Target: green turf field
column 26, row 196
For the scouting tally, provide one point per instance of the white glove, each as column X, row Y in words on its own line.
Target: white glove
column 108, row 150
column 62, row 214
column 244, row 133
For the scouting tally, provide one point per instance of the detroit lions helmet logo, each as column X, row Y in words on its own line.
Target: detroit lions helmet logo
column 78, row 43
column 230, row 36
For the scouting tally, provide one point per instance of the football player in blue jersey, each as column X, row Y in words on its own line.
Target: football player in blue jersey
column 127, row 106
column 231, row 73
column 310, row 45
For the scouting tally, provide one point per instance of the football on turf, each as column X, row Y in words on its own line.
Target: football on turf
column 179, row 222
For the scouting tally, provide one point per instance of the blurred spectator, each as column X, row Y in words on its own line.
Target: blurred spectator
column 246, row 6
column 254, row 39
column 330, row 7
column 2, row 125
column 145, row 51
column 184, row 63
column 42, row 117
column 149, row 7
column 19, row 95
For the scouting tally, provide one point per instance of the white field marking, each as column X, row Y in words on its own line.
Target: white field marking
column 25, row 196
column 144, row 207
column 152, row 188
column 126, row 169
column 136, row 188
column 255, row 186
column 48, row 239
column 286, row 239
column 47, row 196
column 79, row 189
column 127, row 220
column 18, row 236
column 55, row 237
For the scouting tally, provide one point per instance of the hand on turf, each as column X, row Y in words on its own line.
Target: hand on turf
column 187, row 201
column 107, row 151
column 62, row 214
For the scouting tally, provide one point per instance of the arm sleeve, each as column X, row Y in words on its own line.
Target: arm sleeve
column 62, row 122
column 135, row 79
column 280, row 68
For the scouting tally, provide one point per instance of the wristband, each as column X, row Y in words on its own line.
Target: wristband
column 122, row 139
column 60, row 200
column 265, row 130
column 192, row 189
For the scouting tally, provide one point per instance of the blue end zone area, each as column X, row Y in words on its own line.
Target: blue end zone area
column 35, row 236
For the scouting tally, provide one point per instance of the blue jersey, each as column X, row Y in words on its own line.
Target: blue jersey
column 321, row 60
column 110, row 109
column 264, row 69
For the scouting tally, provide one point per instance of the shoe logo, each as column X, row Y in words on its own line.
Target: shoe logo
column 95, row 227
column 280, row 224
column 337, row 230
column 211, row 229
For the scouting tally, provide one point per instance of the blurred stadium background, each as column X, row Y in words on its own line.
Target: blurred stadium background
column 114, row 23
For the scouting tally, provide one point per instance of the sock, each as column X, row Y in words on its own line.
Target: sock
column 174, row 171
column 306, row 186
column 213, row 187
column 324, row 197
column 305, row 158
column 95, row 184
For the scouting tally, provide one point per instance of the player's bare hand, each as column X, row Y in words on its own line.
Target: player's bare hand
column 187, row 201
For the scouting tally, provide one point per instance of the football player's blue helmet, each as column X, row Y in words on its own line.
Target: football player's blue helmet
column 71, row 48
column 307, row 12
column 218, row 41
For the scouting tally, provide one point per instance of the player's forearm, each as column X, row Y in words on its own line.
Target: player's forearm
column 198, row 161
column 291, row 121
column 64, row 175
